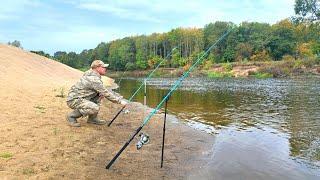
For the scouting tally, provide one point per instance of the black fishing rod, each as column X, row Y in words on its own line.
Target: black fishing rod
column 143, row 83
column 164, row 131
column 172, row 89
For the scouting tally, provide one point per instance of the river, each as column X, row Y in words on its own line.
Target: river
column 264, row 128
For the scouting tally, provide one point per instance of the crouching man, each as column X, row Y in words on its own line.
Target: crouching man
column 85, row 96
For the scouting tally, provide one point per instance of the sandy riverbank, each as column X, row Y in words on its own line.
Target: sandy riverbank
column 37, row 143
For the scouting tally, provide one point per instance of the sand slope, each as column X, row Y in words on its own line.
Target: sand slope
column 21, row 69
column 37, row 143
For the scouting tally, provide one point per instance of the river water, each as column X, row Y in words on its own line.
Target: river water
column 265, row 129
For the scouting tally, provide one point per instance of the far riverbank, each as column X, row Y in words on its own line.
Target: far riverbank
column 278, row 69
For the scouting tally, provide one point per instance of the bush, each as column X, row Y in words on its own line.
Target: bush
column 297, row 71
column 227, row 66
column 154, row 61
column 298, row 64
column 276, row 71
column 288, row 63
column 288, row 58
column 315, row 47
column 130, row 66
column 304, row 50
column 261, row 56
column 207, row 65
column 309, row 62
column 141, row 64
column 186, row 67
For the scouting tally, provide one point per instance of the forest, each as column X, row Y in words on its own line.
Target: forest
column 295, row 38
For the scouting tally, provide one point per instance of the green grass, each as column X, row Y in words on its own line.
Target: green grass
column 56, row 131
column 61, row 92
column 220, row 74
column 40, row 108
column 158, row 74
column 6, row 155
column 215, row 75
column 28, row 171
column 260, row 75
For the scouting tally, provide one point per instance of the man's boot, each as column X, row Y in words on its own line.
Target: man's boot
column 92, row 119
column 72, row 118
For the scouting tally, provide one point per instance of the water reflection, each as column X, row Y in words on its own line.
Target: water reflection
column 288, row 108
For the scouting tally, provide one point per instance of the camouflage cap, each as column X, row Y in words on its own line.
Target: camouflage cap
column 97, row 63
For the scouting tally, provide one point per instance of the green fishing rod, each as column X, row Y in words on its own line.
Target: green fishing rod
column 135, row 93
column 172, row 89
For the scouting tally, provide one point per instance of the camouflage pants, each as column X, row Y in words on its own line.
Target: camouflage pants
column 86, row 107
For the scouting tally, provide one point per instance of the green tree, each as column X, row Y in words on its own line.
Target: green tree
column 315, row 47
column 15, row 43
column 176, row 58
column 281, row 40
column 102, row 51
column 85, row 58
column 121, row 52
column 228, row 55
column 255, row 34
column 59, row 55
column 211, row 33
column 41, row 53
column 243, row 51
column 141, row 52
column 70, row 59
column 307, row 10
column 130, row 66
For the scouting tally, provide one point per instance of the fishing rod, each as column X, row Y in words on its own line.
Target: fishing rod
column 172, row 89
column 142, row 84
column 164, row 131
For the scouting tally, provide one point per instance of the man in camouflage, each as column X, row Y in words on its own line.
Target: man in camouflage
column 85, row 96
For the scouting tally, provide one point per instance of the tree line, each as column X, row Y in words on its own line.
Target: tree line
column 250, row 41
column 296, row 37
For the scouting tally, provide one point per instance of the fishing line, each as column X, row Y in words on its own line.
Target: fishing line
column 141, row 85
column 119, row 82
column 185, row 74
column 172, row 89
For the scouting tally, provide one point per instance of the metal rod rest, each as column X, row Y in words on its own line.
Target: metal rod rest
column 164, row 131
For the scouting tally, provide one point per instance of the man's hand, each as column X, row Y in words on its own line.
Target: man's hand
column 124, row 102
column 101, row 96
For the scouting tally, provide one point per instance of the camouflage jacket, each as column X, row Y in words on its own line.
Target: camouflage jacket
column 90, row 86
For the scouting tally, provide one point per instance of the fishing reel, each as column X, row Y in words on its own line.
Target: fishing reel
column 126, row 111
column 144, row 139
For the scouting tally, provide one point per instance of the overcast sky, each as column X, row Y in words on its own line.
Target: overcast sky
column 74, row 25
